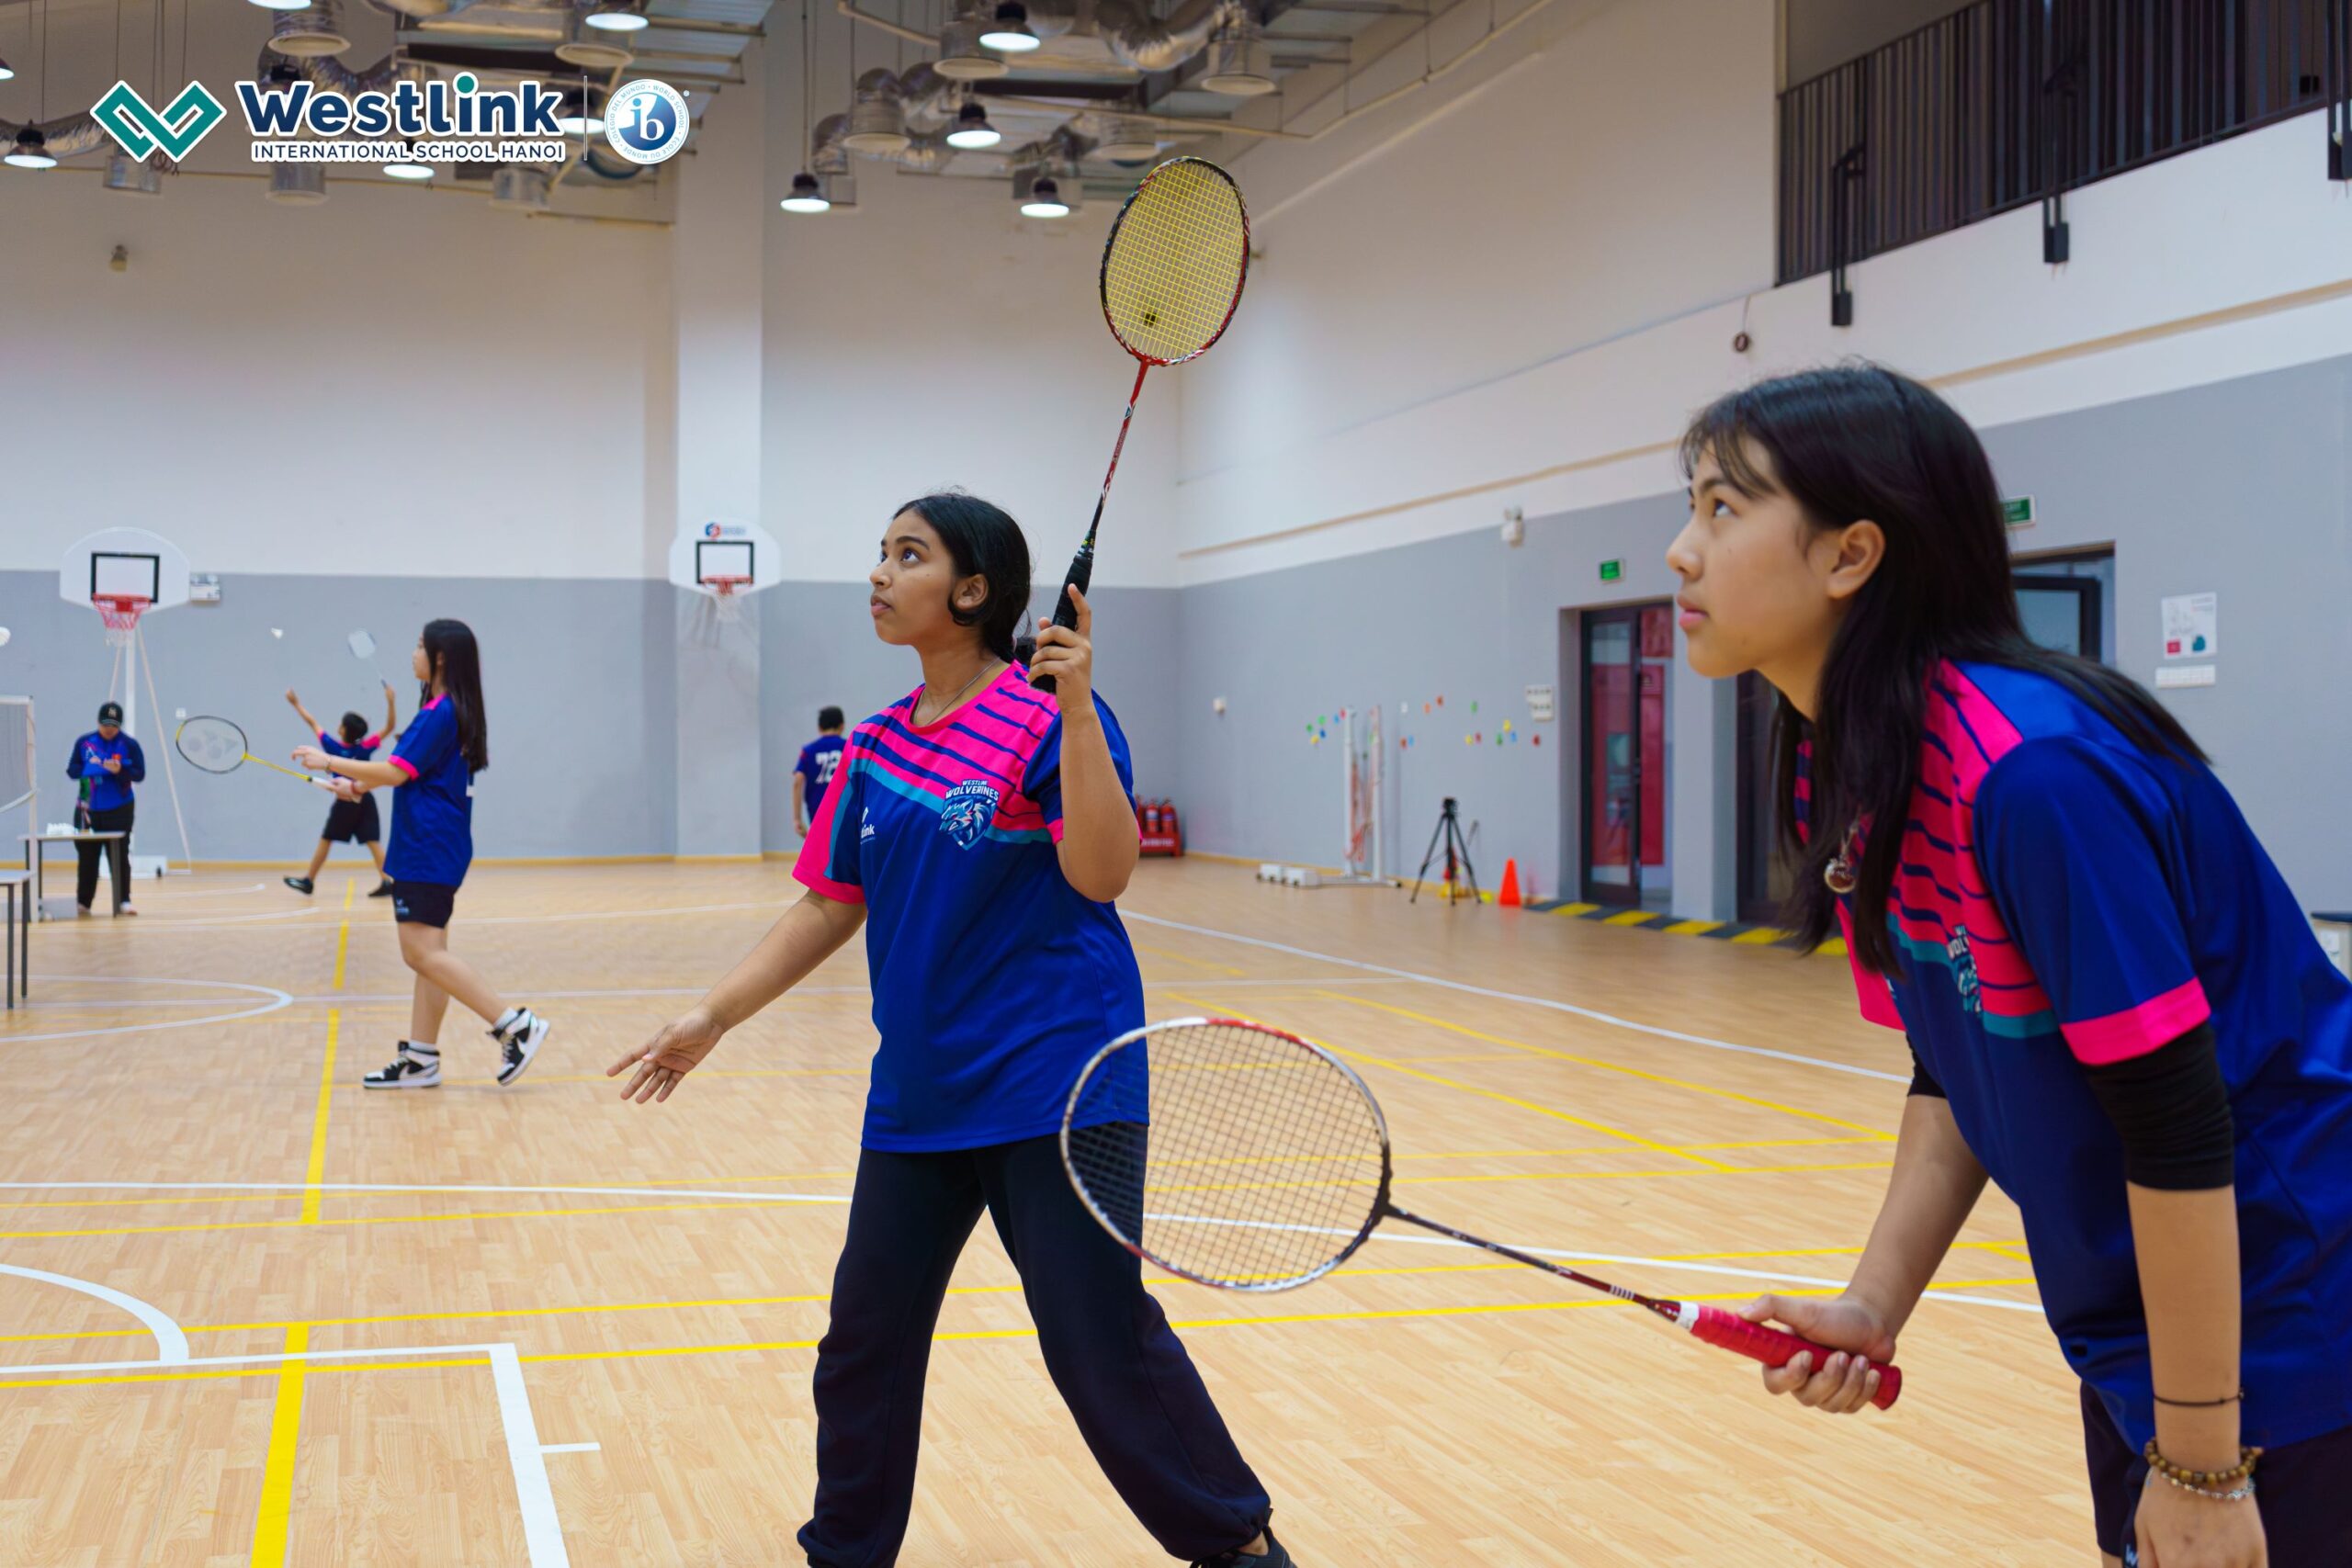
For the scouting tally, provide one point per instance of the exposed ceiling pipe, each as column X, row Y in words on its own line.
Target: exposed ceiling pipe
column 331, row 75
column 68, row 135
column 1130, row 33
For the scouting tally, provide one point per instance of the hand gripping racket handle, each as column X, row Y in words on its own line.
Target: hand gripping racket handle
column 1081, row 575
column 1774, row 1348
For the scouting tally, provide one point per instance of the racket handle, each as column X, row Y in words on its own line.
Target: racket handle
column 1081, row 573
column 1775, row 1347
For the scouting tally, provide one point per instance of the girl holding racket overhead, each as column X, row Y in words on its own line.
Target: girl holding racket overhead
column 432, row 767
column 980, row 832
column 2116, row 1008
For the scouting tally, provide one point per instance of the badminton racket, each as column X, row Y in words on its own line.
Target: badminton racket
column 1173, row 272
column 363, row 647
column 1236, row 1155
column 218, row 746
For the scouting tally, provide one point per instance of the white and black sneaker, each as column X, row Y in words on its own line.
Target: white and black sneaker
column 416, row 1067
column 518, row 1035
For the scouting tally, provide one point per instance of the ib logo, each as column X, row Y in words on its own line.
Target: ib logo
column 140, row 130
column 646, row 121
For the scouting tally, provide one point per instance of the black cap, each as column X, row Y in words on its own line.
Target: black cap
column 110, row 712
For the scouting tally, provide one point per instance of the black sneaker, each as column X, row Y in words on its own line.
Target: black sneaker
column 416, row 1067
column 301, row 885
column 383, row 889
column 1275, row 1557
column 518, row 1042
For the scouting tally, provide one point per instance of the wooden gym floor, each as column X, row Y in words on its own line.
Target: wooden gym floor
column 541, row 1327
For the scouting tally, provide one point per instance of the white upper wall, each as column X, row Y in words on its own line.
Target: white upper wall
column 399, row 382
column 1560, row 374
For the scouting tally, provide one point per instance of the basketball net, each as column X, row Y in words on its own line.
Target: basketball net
column 120, row 612
column 724, row 589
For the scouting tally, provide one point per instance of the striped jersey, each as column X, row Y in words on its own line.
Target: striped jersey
column 994, row 981
column 2066, row 899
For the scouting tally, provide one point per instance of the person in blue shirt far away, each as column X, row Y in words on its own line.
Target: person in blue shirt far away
column 106, row 762
column 815, row 770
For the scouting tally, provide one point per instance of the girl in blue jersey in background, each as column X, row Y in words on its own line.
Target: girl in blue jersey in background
column 979, row 831
column 2115, row 1007
column 348, row 821
column 433, row 766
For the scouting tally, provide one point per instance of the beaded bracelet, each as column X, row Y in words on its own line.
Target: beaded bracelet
column 2198, row 1480
column 2242, row 1491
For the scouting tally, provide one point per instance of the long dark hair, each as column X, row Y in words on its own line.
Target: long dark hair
column 1861, row 442
column 449, row 646
column 984, row 541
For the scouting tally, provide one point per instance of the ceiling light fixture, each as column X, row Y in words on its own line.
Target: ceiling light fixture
column 807, row 195
column 574, row 118
column 1010, row 35
column 961, row 58
column 973, row 130
column 6, row 74
column 406, row 167
column 615, row 16
column 31, row 152
column 1044, row 200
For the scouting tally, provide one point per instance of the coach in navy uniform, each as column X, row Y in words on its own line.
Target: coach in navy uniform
column 108, row 763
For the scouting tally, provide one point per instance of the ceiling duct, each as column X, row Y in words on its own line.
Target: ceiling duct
column 519, row 189
column 878, row 118
column 66, row 135
column 331, row 75
column 593, row 49
column 135, row 176
column 316, row 30
column 961, row 58
column 1121, row 139
column 296, row 185
column 1236, row 63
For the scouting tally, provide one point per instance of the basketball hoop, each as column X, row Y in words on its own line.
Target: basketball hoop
column 120, row 612
column 724, row 589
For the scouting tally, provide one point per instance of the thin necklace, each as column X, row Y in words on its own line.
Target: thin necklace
column 986, row 665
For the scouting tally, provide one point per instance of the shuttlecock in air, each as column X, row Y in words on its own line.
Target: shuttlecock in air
column 5, row 635
column 277, row 631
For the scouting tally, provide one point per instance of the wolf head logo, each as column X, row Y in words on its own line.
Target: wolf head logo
column 1964, row 971
column 971, row 807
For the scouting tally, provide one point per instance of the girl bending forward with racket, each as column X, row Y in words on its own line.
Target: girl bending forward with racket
column 980, row 832
column 432, row 767
column 2115, row 1007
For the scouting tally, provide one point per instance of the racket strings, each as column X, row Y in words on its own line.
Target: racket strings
column 1174, row 268
column 1262, row 1162
column 213, row 744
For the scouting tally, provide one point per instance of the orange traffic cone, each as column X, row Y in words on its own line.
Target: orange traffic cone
column 1509, row 897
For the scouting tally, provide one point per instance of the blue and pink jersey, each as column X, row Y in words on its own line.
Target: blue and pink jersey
column 994, row 981
column 433, row 813
column 335, row 745
column 2066, row 900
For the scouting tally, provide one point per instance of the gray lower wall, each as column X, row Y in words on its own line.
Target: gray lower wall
column 2239, row 488
column 577, row 677
column 601, row 693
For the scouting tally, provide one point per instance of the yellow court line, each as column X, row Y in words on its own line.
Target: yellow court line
column 1605, row 1067
column 1693, row 928
column 343, row 936
column 1486, row 1309
column 143, row 1202
column 278, row 1464
column 1225, row 969
column 1795, row 1143
column 1601, row 1127
column 315, row 1172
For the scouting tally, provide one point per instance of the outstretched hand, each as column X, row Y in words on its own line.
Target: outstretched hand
column 669, row 1056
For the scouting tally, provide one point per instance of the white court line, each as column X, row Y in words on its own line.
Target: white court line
column 217, row 892
column 171, row 1345
column 197, row 922
column 472, row 920
column 542, row 1530
column 278, row 999
column 1613, row 1019
column 572, row 1448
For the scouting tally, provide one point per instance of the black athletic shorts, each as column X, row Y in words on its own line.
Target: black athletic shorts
column 2300, row 1489
column 353, row 822
column 423, row 903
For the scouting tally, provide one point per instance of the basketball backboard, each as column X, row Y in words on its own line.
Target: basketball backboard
column 124, row 561
column 744, row 555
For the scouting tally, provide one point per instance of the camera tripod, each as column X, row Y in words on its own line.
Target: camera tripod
column 1448, row 834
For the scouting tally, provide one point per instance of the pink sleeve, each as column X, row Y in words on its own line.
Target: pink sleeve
column 2135, row 1032
column 1870, row 990
column 403, row 763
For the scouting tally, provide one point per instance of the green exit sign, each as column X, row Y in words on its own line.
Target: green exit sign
column 2018, row 512
column 1611, row 571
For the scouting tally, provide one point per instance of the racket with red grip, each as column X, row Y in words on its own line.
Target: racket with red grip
column 1237, row 1155
column 1774, row 1346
